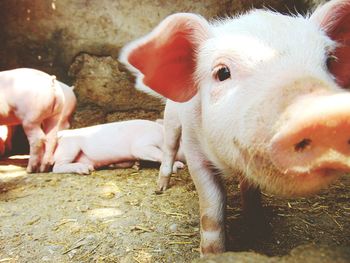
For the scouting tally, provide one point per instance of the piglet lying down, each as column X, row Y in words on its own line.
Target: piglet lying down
column 120, row 143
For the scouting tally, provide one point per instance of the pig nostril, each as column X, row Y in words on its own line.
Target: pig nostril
column 302, row 145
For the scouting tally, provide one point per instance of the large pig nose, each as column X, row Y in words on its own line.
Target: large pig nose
column 316, row 135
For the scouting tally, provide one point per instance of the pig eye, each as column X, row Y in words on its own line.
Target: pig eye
column 223, row 73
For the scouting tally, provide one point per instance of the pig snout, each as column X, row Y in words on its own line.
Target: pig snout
column 314, row 138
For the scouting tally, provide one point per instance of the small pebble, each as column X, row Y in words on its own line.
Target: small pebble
column 83, row 208
column 173, row 227
column 72, row 253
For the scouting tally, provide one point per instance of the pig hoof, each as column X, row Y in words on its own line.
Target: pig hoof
column 29, row 169
column 136, row 166
column 44, row 168
column 84, row 169
column 91, row 168
column 32, row 168
column 163, row 182
column 178, row 165
column 211, row 249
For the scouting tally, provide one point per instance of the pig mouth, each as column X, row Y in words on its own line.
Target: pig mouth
column 327, row 170
column 323, row 166
column 297, row 179
column 304, row 181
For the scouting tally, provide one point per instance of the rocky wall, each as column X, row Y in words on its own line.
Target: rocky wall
column 78, row 41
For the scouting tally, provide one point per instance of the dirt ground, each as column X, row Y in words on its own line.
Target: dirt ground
column 114, row 215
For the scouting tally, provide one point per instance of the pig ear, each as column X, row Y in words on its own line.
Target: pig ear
column 164, row 60
column 334, row 19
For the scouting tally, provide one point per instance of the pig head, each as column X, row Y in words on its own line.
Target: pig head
column 260, row 96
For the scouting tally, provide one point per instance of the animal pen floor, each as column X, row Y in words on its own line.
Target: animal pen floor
column 114, row 215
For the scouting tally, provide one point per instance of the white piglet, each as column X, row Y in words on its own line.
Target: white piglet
column 7, row 131
column 119, row 143
column 259, row 96
column 42, row 105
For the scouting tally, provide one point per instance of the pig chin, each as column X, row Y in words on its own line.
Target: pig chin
column 294, row 184
column 300, row 181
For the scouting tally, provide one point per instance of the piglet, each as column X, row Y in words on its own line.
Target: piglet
column 260, row 96
column 118, row 143
column 7, row 133
column 42, row 105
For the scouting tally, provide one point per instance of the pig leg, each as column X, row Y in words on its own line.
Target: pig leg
column 124, row 164
column 178, row 165
column 3, row 138
column 154, row 154
column 147, row 153
column 65, row 154
column 172, row 134
column 212, row 201
column 128, row 164
column 8, row 141
column 36, row 138
column 136, row 165
column 50, row 127
column 77, row 168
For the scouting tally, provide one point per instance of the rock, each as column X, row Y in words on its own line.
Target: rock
column 305, row 253
column 173, row 227
column 135, row 114
column 106, row 93
column 99, row 81
column 88, row 116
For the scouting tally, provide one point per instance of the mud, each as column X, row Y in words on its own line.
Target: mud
column 114, row 215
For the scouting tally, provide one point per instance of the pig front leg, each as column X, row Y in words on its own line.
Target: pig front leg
column 178, row 165
column 172, row 134
column 4, row 132
column 75, row 168
column 130, row 164
column 154, row 154
column 36, row 138
column 212, row 201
